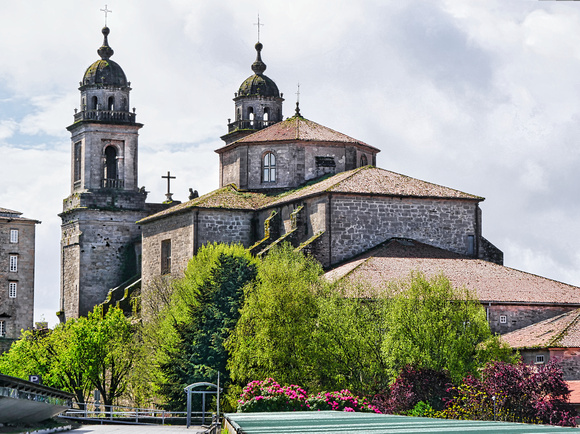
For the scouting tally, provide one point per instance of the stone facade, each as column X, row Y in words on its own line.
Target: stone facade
column 17, row 247
column 296, row 163
column 187, row 232
column 505, row 318
column 569, row 359
column 100, row 250
column 101, row 242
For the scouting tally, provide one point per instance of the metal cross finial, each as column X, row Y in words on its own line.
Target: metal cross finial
column 258, row 24
column 169, row 178
column 298, row 102
column 106, row 11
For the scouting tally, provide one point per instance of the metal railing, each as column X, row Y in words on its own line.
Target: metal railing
column 123, row 414
column 95, row 412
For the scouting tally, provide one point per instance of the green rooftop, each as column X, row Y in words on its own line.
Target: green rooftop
column 329, row 422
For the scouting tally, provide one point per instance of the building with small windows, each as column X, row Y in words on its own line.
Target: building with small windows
column 17, row 238
column 280, row 180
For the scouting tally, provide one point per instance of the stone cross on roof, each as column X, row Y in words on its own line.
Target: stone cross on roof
column 168, row 195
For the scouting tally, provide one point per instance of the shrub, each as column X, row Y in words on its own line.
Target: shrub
column 268, row 395
column 340, row 401
column 412, row 386
column 521, row 393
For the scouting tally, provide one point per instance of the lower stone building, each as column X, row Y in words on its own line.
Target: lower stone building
column 557, row 337
column 17, row 246
column 513, row 299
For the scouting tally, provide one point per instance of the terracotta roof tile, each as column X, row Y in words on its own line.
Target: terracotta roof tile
column 297, row 129
column 228, row 197
column 9, row 211
column 396, row 259
column 372, row 180
column 562, row 331
column 364, row 180
column 574, row 387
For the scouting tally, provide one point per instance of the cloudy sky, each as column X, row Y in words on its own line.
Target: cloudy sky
column 482, row 96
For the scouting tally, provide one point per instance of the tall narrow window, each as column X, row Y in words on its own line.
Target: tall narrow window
column 12, row 288
column 111, row 103
column 471, row 244
column 14, row 236
column 110, row 163
column 363, row 160
column 77, row 161
column 14, row 263
column 269, row 167
column 2, row 328
column 94, row 103
column 266, row 113
column 165, row 256
column 251, row 115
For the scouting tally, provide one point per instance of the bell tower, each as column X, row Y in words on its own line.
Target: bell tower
column 100, row 243
column 258, row 103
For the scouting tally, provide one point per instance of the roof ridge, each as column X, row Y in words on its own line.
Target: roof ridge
column 353, row 172
column 564, row 332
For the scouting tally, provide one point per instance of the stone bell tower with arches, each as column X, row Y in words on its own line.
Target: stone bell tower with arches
column 100, row 245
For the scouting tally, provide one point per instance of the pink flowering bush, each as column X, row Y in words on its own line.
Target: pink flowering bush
column 340, row 401
column 268, row 395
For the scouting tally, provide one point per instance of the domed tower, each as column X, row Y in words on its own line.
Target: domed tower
column 100, row 239
column 258, row 103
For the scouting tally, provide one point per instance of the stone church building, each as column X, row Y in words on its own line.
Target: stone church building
column 280, row 180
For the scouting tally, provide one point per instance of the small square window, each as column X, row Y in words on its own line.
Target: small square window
column 12, row 289
column 503, row 319
column 14, row 236
column 539, row 359
column 13, row 263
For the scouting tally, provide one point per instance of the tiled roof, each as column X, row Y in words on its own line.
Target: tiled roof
column 294, row 129
column 574, row 387
column 562, row 331
column 372, row 180
column 9, row 211
column 364, row 180
column 396, row 259
column 228, row 197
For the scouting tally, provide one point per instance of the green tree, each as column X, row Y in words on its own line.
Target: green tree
column 205, row 308
column 432, row 325
column 275, row 335
column 86, row 353
column 349, row 336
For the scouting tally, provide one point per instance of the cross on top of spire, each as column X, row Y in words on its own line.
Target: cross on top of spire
column 106, row 11
column 258, row 24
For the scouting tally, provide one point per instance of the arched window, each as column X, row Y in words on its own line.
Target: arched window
column 251, row 115
column 111, row 103
column 110, row 164
column 94, row 103
column 363, row 160
column 266, row 114
column 269, row 167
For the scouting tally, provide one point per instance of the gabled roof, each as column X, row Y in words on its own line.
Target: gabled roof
column 10, row 212
column 562, row 331
column 228, row 197
column 375, row 181
column 296, row 129
column 395, row 259
column 365, row 180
